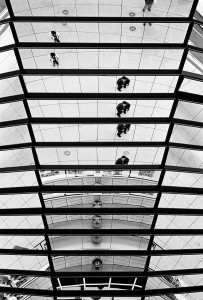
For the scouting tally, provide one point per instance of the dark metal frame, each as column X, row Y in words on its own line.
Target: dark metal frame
column 176, row 97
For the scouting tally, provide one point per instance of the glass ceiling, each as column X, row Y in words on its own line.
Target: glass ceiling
column 78, row 221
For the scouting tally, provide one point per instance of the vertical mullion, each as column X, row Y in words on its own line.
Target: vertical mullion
column 168, row 137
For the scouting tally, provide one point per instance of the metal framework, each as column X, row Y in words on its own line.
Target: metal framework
column 158, row 190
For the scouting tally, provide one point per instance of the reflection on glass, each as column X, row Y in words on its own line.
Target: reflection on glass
column 102, row 59
column 10, row 86
column 18, row 179
column 14, row 135
column 12, row 111
column 8, row 62
column 106, row 263
column 132, row 242
column 99, row 155
column 183, row 179
column 23, row 262
column 13, row 158
column 116, row 177
column 98, row 108
column 189, row 85
column 98, row 200
column 189, row 111
column 187, row 135
column 99, row 84
column 25, row 222
column 185, row 158
column 100, row 132
column 181, row 201
column 98, row 221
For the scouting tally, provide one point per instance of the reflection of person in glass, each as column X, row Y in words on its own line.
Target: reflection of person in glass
column 123, row 160
column 122, row 82
column 122, row 128
column 122, row 108
column 55, row 36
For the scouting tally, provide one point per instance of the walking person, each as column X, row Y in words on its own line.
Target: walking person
column 122, row 128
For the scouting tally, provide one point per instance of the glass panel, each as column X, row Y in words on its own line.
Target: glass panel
column 8, row 61
column 23, row 281
column 174, row 281
column 99, row 8
column 195, row 86
column 6, row 37
column 77, row 177
column 181, row 201
column 102, row 59
column 23, row 242
column 100, row 132
column 189, row 111
column 107, row 263
column 175, row 262
column 194, row 60
column 18, row 179
column 10, row 86
column 25, row 222
column 12, row 111
column 178, row 242
column 183, row 179
column 23, row 262
column 103, row 33
column 132, row 242
column 98, row 221
column 19, row 200
column 13, row 158
column 72, row 156
column 99, row 84
column 179, row 222
column 185, row 158
column 187, row 135
column 99, row 200
column 14, row 135
column 98, row 108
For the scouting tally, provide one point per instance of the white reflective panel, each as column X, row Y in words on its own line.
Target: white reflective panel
column 12, row 111
column 176, row 262
column 179, row 222
column 24, row 262
column 189, row 111
column 19, row 200
column 23, row 242
column 8, row 62
column 185, row 158
column 14, row 135
column 13, row 158
column 187, row 135
column 181, row 201
column 10, row 87
column 115, row 8
column 23, row 222
column 99, row 221
column 6, row 37
column 91, row 155
column 98, row 108
column 102, row 132
column 18, row 179
column 183, row 179
column 102, row 59
column 99, row 84
column 195, row 86
column 178, row 242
